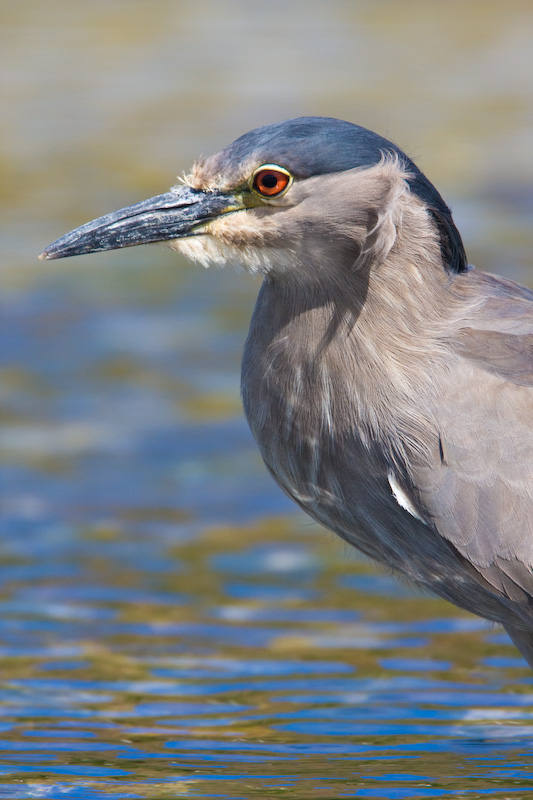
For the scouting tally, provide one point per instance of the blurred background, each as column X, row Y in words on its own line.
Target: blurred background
column 137, row 517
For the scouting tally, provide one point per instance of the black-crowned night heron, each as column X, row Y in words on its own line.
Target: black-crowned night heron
column 388, row 385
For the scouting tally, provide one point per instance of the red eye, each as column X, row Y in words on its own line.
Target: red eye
column 269, row 181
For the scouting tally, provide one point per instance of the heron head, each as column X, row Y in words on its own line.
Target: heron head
column 304, row 196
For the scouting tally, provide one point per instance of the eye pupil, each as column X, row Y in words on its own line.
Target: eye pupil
column 269, row 180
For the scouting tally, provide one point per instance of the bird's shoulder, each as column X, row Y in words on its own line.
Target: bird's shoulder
column 498, row 336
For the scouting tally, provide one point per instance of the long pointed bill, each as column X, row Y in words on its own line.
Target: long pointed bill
column 173, row 215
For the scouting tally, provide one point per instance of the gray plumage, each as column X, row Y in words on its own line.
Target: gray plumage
column 388, row 385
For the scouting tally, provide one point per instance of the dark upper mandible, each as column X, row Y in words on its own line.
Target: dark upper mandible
column 317, row 145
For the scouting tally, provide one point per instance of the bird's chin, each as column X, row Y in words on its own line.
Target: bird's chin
column 210, row 251
column 202, row 249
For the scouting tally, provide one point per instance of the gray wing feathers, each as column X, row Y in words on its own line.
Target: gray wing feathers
column 477, row 490
column 509, row 355
column 500, row 336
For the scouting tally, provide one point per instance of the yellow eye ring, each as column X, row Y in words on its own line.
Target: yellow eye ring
column 270, row 181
